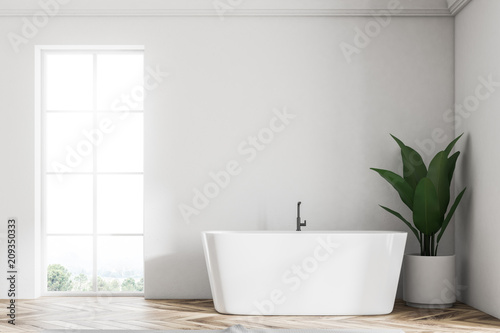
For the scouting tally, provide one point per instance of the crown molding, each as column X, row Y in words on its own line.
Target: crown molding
column 236, row 13
column 455, row 6
column 228, row 8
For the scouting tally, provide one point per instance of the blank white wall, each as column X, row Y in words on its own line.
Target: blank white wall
column 225, row 79
column 477, row 247
column 17, row 136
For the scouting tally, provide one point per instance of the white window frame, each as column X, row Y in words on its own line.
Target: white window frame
column 40, row 163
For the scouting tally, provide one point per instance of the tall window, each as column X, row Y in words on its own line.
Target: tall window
column 92, row 170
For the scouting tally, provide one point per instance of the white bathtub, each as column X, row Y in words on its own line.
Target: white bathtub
column 304, row 273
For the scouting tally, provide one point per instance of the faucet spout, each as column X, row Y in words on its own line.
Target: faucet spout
column 299, row 223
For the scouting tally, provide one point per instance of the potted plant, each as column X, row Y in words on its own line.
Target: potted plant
column 428, row 279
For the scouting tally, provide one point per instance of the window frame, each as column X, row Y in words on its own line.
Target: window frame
column 40, row 162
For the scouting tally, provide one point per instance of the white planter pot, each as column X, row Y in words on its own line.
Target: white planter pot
column 429, row 282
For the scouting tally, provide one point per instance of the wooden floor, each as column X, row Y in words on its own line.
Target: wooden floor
column 131, row 313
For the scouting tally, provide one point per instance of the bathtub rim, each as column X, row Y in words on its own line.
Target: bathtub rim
column 308, row 232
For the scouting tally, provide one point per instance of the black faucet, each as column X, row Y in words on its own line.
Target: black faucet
column 299, row 224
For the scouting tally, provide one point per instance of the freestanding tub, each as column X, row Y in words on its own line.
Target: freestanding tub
column 304, row 273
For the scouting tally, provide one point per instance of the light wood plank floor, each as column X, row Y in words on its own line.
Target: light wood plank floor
column 130, row 313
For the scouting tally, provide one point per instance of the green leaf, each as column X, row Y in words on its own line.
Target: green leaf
column 438, row 174
column 452, row 161
column 399, row 216
column 413, row 165
column 450, row 214
column 452, row 144
column 400, row 185
column 426, row 213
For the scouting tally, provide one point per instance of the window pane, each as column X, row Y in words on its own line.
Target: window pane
column 69, row 82
column 120, row 81
column 69, row 204
column 120, row 263
column 68, row 149
column 122, row 146
column 76, row 143
column 69, row 263
column 119, row 204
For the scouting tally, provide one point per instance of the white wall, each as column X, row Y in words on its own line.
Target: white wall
column 226, row 78
column 477, row 247
column 17, row 165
